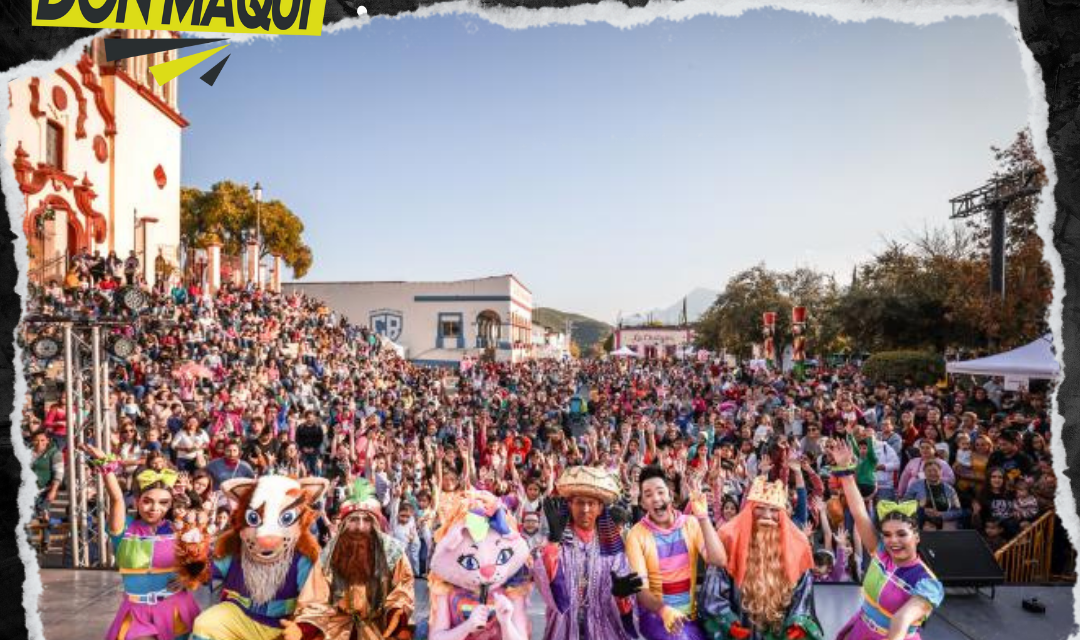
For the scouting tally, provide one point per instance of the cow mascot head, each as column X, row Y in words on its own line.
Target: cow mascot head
column 264, row 559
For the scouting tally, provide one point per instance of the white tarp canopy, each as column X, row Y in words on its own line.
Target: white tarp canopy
column 1032, row 361
column 387, row 343
column 625, row 352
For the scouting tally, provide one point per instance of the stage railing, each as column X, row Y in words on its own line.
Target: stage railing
column 1027, row 557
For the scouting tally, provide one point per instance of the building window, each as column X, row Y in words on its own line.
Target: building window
column 451, row 328
column 54, row 145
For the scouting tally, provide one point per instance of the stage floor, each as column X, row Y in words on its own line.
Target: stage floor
column 79, row 605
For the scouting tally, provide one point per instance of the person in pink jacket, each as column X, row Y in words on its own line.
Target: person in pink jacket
column 913, row 472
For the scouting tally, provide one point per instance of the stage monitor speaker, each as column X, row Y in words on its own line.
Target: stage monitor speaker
column 960, row 559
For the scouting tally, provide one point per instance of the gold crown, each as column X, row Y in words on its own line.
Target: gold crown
column 773, row 494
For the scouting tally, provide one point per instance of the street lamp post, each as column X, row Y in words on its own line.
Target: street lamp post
column 258, row 233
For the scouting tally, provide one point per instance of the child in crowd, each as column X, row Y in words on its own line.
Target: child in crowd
column 1025, row 505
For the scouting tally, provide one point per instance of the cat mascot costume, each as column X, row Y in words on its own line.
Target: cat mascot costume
column 264, row 559
column 479, row 574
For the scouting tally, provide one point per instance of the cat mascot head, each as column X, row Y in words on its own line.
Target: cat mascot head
column 479, row 547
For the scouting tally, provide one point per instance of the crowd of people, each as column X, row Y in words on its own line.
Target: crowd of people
column 248, row 383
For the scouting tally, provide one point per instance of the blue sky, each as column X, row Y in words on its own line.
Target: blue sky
column 610, row 170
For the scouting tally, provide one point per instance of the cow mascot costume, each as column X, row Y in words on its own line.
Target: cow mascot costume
column 480, row 574
column 264, row 559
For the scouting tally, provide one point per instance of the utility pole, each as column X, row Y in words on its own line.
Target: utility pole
column 994, row 198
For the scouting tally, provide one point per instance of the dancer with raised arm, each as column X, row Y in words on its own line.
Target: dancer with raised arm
column 156, row 604
column 899, row 591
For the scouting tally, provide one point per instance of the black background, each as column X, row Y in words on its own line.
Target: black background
column 1051, row 29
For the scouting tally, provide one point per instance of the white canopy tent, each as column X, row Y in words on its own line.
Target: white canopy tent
column 1033, row 361
column 625, row 352
column 387, row 343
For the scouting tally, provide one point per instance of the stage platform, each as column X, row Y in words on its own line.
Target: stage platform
column 79, row 605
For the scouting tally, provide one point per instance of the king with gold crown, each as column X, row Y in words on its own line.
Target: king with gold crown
column 765, row 592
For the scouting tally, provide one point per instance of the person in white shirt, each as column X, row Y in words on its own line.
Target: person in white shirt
column 188, row 443
column 887, row 468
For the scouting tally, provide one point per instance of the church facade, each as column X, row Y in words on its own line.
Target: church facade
column 95, row 147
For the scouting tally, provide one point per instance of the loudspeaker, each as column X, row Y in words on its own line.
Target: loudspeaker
column 960, row 559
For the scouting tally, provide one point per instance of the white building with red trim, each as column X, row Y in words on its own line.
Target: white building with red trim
column 655, row 342
column 438, row 323
column 96, row 151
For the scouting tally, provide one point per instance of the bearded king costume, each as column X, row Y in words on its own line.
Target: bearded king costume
column 574, row 576
column 766, row 590
column 365, row 589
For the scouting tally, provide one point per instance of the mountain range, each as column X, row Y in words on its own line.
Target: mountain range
column 697, row 302
column 586, row 331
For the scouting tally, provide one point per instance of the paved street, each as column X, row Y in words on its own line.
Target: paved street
column 78, row 605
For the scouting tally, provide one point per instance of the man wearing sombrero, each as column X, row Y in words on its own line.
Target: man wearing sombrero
column 766, row 590
column 582, row 572
column 365, row 591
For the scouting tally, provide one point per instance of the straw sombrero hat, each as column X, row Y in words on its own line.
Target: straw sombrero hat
column 591, row 482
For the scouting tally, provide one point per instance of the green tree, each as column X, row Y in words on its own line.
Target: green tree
column 1021, row 316
column 229, row 210
column 734, row 321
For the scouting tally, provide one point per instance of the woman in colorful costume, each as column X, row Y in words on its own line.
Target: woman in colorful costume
column 899, row 591
column 156, row 604
column 480, row 567
column 583, row 574
column 766, row 590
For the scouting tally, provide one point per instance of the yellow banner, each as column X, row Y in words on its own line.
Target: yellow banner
column 284, row 17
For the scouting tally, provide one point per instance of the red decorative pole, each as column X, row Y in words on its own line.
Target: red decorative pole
column 769, row 330
column 798, row 349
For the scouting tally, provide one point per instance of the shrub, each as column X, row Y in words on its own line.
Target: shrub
column 892, row 367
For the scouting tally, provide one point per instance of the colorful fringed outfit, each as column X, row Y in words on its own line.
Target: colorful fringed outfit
column 237, row 617
column 146, row 557
column 574, row 579
column 667, row 560
column 887, row 587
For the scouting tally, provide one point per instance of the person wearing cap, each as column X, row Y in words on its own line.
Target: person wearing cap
column 366, row 591
column 582, row 572
column 765, row 590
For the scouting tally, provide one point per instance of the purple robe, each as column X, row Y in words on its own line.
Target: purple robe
column 581, row 567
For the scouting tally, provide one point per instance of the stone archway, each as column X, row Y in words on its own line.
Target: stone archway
column 488, row 329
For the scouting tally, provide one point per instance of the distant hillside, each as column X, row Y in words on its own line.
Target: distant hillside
column 586, row 331
column 697, row 302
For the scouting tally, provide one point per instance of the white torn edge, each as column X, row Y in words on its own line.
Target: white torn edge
column 1039, row 122
column 917, row 12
